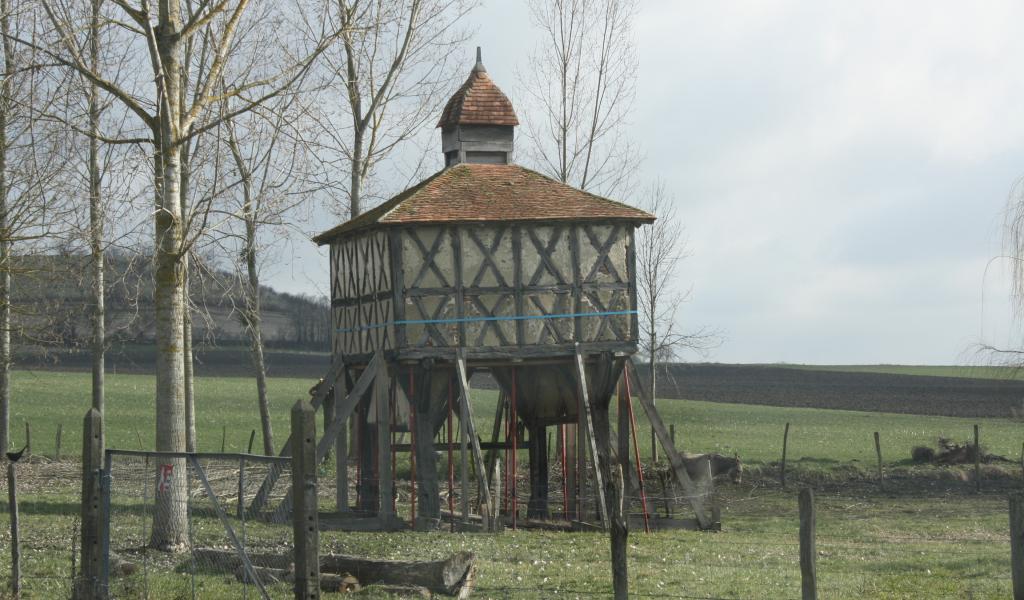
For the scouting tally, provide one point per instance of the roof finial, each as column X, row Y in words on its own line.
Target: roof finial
column 479, row 66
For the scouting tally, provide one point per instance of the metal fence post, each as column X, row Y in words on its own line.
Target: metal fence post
column 304, row 519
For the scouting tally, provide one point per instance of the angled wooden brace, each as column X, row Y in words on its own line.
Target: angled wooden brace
column 470, row 430
column 581, row 386
column 674, row 458
column 275, row 470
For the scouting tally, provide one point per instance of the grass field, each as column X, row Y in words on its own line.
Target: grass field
column 925, row 535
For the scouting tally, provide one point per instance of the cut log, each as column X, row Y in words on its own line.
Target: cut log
column 452, row 577
column 228, row 560
column 329, row 582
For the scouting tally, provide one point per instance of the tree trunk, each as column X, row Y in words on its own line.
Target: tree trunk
column 5, row 243
column 169, row 518
column 186, row 315
column 653, row 388
column 96, row 221
column 256, row 337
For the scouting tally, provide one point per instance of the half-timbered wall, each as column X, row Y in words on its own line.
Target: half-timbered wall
column 509, row 286
column 362, row 296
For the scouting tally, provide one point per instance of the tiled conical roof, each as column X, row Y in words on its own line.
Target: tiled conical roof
column 478, row 102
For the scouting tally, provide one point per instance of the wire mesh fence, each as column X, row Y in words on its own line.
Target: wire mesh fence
column 185, row 526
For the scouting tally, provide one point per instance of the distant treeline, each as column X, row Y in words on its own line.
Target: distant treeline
column 52, row 311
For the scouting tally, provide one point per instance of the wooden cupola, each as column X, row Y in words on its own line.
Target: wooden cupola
column 478, row 123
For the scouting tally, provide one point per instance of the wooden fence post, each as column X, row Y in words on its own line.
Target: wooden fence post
column 878, row 452
column 92, row 551
column 28, row 439
column 56, row 451
column 808, row 554
column 304, row 519
column 1017, row 544
column 619, row 534
column 12, row 496
column 782, row 471
column 241, row 478
column 977, row 461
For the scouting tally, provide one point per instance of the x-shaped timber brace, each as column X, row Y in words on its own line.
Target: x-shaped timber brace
column 594, row 439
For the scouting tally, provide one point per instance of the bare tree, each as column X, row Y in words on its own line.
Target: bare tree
column 580, row 84
column 172, row 116
column 392, row 70
column 30, row 177
column 269, row 158
column 660, row 247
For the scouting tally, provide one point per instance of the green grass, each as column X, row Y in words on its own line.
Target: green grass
column 924, row 536
column 46, row 399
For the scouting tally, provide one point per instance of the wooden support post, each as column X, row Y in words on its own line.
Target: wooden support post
column 56, row 446
column 341, row 466
column 569, row 466
column 808, row 554
column 12, row 498
column 623, row 424
column 263, row 494
column 304, row 518
column 674, row 458
column 385, row 484
column 878, row 452
column 469, row 430
column 619, row 536
column 28, row 439
column 581, row 385
column 672, row 432
column 89, row 586
column 1017, row 544
column 464, row 461
column 782, row 468
column 977, row 461
column 496, row 490
column 492, row 453
column 537, row 508
column 428, row 515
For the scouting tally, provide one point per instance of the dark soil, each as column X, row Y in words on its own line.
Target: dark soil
column 878, row 392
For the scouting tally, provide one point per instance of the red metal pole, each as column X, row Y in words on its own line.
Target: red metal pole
column 515, row 447
column 412, row 437
column 565, row 474
column 507, row 412
column 636, row 453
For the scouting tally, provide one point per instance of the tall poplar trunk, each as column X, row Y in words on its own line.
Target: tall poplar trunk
column 254, row 322
column 190, row 403
column 5, row 237
column 169, row 520
column 251, row 314
column 96, row 221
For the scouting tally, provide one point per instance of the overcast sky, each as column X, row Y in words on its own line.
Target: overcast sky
column 842, row 168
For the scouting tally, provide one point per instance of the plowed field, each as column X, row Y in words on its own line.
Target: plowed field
column 881, row 392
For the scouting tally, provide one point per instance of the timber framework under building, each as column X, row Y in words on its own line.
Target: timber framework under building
column 484, row 266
